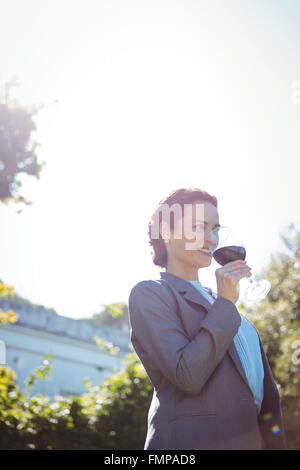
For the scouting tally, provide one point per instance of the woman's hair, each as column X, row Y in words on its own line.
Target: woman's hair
column 178, row 196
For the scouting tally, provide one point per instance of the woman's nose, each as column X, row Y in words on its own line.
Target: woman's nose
column 211, row 240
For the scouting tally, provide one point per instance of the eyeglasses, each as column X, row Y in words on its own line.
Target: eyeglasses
column 220, row 233
column 202, row 227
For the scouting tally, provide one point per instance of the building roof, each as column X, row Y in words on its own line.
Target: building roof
column 40, row 318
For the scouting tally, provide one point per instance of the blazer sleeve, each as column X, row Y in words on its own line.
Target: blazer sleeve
column 157, row 332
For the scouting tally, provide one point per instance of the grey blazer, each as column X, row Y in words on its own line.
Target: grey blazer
column 201, row 397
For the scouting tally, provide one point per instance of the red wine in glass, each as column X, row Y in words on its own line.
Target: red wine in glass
column 226, row 254
column 256, row 289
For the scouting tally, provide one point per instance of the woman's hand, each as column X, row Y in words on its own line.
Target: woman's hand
column 228, row 278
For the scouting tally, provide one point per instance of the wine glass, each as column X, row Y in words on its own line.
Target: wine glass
column 230, row 249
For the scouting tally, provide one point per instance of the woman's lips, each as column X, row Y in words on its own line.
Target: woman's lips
column 208, row 253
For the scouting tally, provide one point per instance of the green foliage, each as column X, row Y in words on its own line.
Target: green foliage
column 41, row 372
column 110, row 416
column 114, row 315
column 7, row 292
column 277, row 320
column 17, row 151
column 106, row 346
column 120, row 407
column 7, row 317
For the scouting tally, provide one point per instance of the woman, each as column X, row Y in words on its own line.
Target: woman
column 213, row 386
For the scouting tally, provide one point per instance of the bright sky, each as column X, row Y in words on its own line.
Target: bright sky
column 152, row 96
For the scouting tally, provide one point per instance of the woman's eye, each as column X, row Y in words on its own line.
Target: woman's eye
column 200, row 228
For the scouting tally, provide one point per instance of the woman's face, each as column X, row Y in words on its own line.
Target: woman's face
column 196, row 251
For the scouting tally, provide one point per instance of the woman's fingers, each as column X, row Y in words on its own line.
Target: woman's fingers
column 235, row 265
column 228, row 278
column 239, row 273
column 237, row 268
column 237, row 261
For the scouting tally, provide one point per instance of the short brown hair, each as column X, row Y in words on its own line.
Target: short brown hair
column 180, row 196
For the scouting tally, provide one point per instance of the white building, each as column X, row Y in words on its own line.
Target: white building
column 75, row 355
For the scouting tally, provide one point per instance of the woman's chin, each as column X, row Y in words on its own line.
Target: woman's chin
column 203, row 260
column 204, row 265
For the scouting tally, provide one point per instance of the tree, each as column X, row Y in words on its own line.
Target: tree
column 110, row 416
column 17, row 151
column 277, row 319
column 115, row 314
column 7, row 292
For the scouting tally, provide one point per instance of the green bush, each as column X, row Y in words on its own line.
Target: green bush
column 277, row 320
column 110, row 416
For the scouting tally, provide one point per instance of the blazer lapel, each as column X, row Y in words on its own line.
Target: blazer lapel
column 188, row 291
column 236, row 360
column 192, row 294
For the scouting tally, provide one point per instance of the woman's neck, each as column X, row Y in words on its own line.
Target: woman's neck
column 184, row 272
